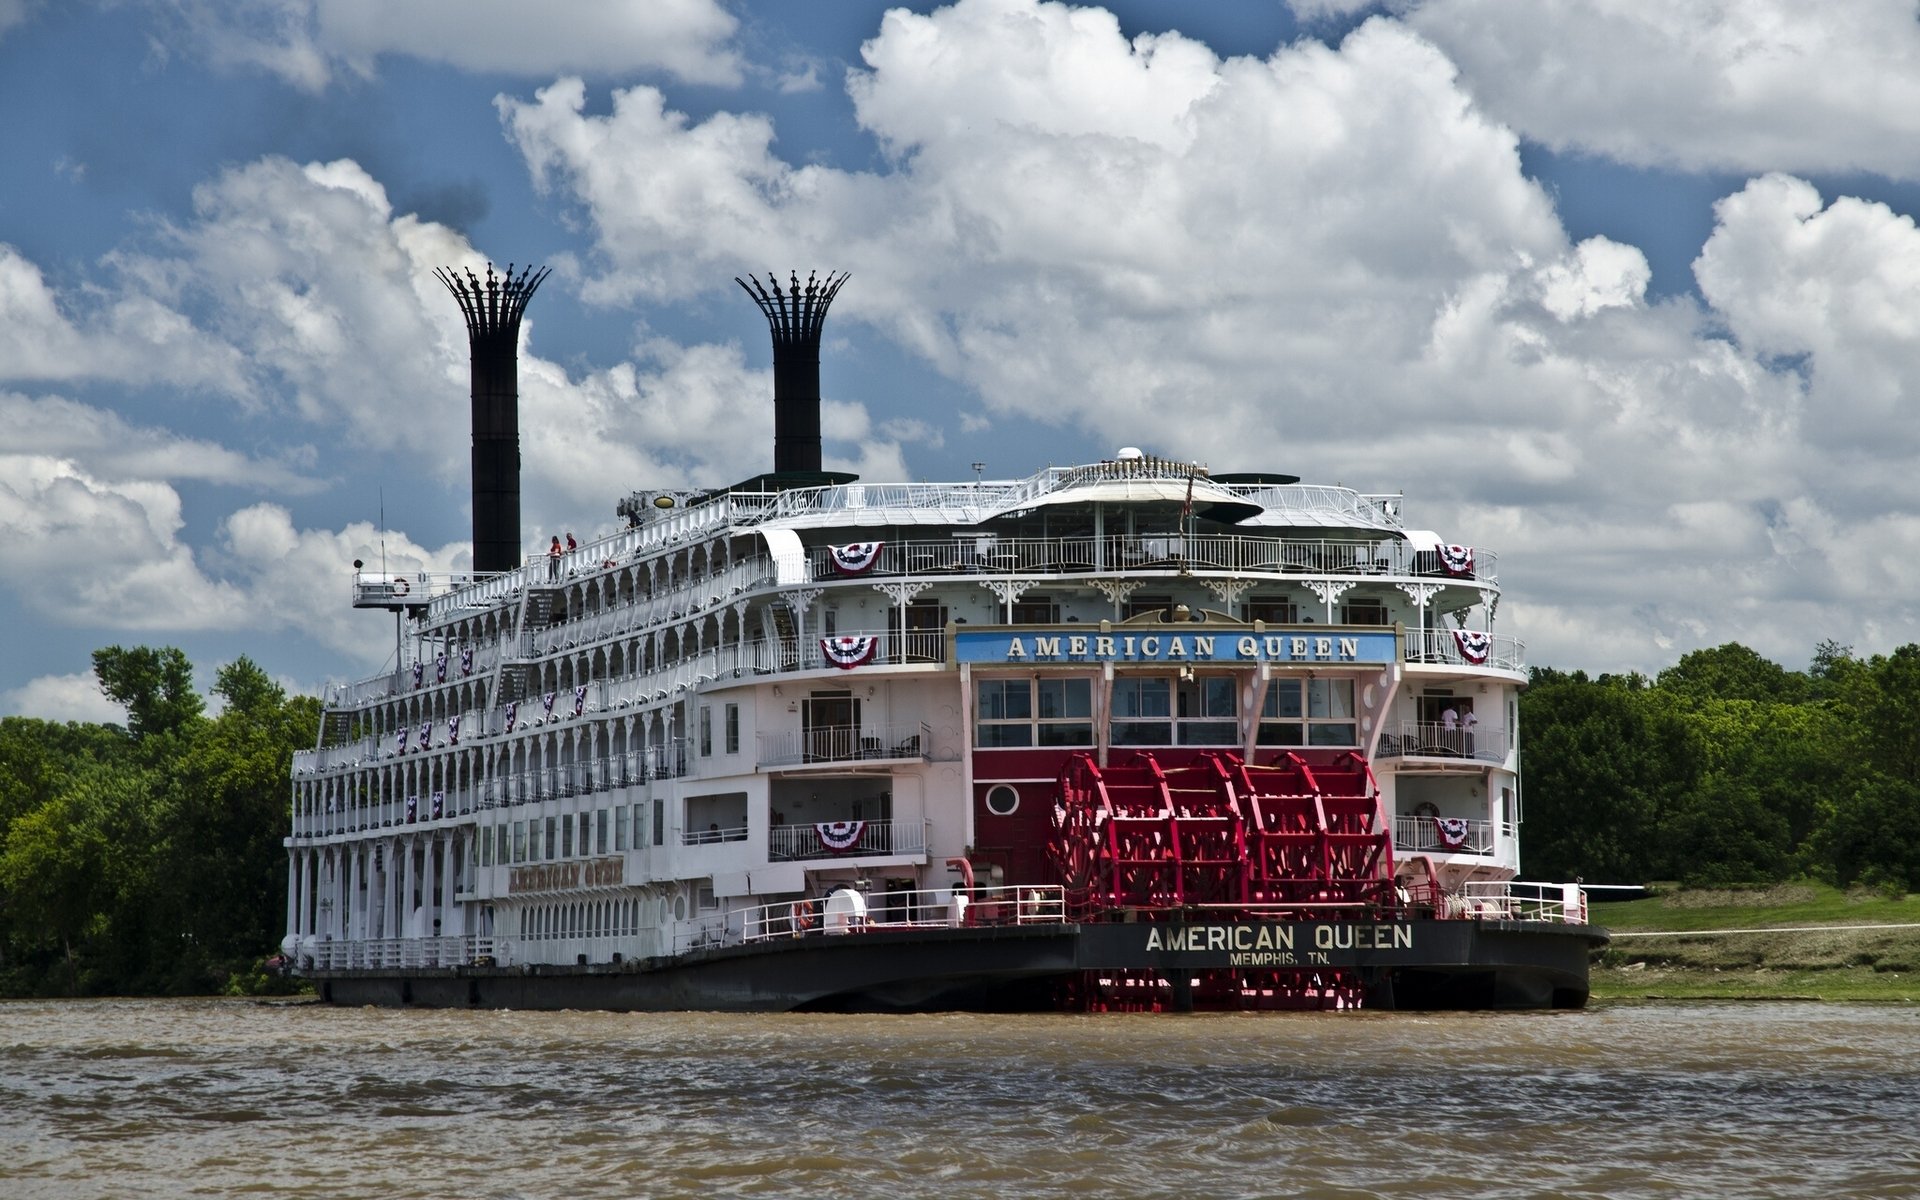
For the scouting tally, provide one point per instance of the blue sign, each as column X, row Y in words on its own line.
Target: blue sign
column 1135, row 644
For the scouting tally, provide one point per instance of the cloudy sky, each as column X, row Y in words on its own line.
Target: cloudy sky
column 1624, row 290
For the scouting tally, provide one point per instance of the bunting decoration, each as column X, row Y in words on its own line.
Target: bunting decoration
column 1452, row 831
column 466, row 660
column 426, row 735
column 579, row 698
column 413, row 809
column 1458, row 561
column 856, row 558
column 440, row 667
column 513, row 710
column 439, row 805
column 840, row 836
column 1474, row 645
column 849, row 652
column 547, row 700
column 400, row 742
column 419, row 669
column 453, row 730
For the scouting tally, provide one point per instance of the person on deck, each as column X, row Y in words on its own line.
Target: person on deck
column 553, row 561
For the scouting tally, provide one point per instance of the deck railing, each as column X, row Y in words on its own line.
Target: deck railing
column 1427, row 835
column 1512, row 900
column 846, row 743
column 931, row 908
column 1436, row 739
column 986, row 553
column 847, row 839
column 1444, row 647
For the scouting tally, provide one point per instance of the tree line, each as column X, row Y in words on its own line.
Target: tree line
column 146, row 858
column 1726, row 768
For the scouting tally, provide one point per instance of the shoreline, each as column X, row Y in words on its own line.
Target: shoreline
column 1798, row 941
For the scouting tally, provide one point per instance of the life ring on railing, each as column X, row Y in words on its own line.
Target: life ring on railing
column 399, row 586
column 803, row 915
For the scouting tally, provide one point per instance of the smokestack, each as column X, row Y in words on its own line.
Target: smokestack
column 795, row 317
column 493, row 312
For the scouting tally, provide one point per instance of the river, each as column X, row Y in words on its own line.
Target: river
column 124, row 1098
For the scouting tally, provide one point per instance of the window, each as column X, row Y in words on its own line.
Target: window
column 1005, row 712
column 733, row 729
column 566, row 838
column 1281, row 715
column 659, row 822
column 619, row 829
column 1003, row 800
column 519, row 841
column 1207, row 711
column 1142, row 705
column 503, row 853
column 1035, row 610
column 1145, row 603
column 600, row 832
column 486, row 847
column 1055, row 711
column 1065, row 712
column 552, row 846
column 1308, row 712
column 1274, row 610
column 1365, row 612
column 706, row 731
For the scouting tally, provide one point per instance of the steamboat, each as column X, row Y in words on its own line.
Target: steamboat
column 1129, row 735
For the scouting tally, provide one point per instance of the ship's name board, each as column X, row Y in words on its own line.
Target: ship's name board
column 568, row 876
column 992, row 646
column 1304, row 944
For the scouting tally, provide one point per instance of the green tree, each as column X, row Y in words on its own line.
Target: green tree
column 1732, row 672
column 155, row 687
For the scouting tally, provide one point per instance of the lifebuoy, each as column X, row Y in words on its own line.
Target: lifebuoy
column 802, row 915
column 399, row 586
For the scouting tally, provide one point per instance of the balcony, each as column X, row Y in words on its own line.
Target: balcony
column 1434, row 835
column 846, row 839
column 1460, row 648
column 1432, row 739
column 847, row 743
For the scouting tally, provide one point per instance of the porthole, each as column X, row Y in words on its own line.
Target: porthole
column 1003, row 800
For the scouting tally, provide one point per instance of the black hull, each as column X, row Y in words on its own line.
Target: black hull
column 1408, row 965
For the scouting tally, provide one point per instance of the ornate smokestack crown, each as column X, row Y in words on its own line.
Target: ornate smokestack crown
column 795, row 317
column 493, row 310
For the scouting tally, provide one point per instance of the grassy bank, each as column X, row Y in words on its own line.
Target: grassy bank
column 1797, row 941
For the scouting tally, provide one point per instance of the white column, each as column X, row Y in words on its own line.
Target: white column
column 293, row 891
column 427, row 898
column 407, row 883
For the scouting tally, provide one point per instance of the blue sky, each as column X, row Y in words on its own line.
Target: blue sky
column 1626, row 293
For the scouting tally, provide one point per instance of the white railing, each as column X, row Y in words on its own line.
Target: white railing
column 1509, row 900
column 791, row 843
column 387, row 953
column 1424, row 835
column 846, row 743
column 1435, row 739
column 1441, row 647
column 934, row 908
column 713, row 835
column 986, row 553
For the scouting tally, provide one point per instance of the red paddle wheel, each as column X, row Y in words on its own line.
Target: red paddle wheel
column 1220, row 840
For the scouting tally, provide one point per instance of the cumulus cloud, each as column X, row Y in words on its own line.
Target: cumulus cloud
column 63, row 698
column 116, row 448
column 1731, row 85
column 1328, row 260
column 308, row 42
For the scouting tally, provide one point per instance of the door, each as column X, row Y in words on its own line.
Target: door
column 830, row 726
